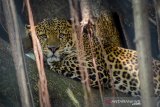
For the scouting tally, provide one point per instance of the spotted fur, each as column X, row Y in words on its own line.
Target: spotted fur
column 118, row 65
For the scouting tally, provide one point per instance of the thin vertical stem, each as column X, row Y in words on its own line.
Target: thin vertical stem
column 42, row 83
column 78, row 37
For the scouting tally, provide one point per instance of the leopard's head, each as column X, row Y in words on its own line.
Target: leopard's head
column 55, row 36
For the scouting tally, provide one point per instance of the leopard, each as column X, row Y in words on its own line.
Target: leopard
column 116, row 67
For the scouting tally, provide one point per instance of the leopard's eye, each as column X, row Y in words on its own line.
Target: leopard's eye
column 43, row 36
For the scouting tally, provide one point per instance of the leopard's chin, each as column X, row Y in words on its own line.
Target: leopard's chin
column 52, row 59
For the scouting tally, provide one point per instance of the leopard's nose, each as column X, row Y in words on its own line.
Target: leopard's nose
column 52, row 48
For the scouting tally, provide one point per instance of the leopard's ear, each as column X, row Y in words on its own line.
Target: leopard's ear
column 28, row 30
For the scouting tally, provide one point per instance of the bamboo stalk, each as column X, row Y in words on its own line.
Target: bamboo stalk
column 144, row 54
column 17, row 51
